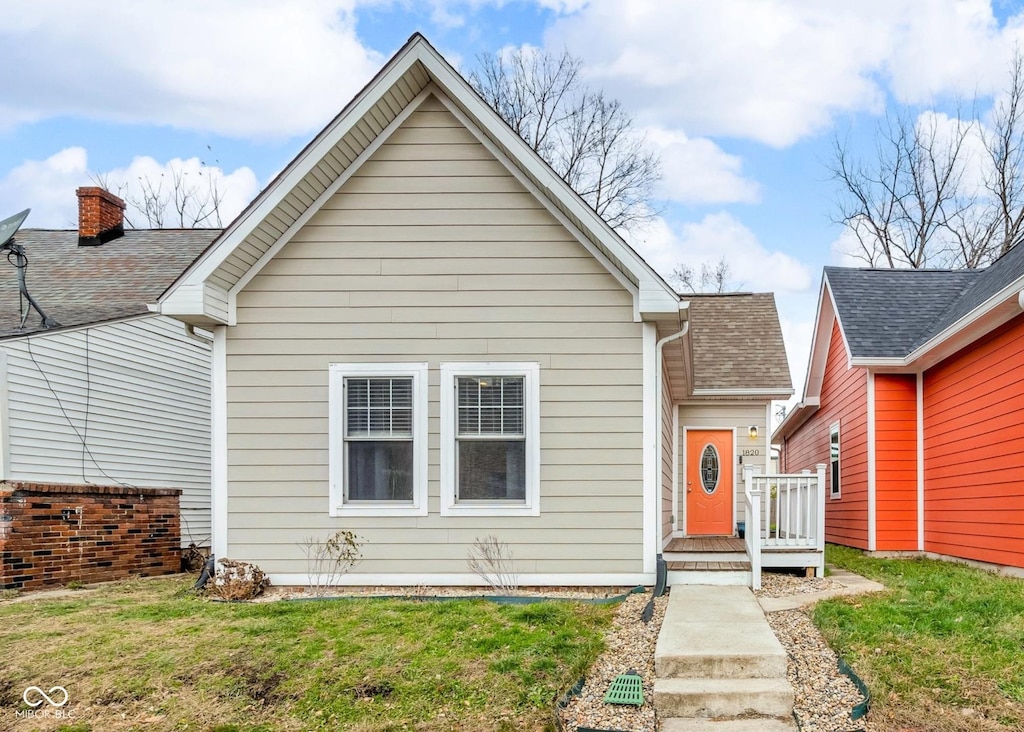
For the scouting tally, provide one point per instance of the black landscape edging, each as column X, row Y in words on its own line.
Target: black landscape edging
column 861, row 707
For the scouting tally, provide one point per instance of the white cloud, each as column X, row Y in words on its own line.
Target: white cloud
column 696, row 170
column 48, row 186
column 797, row 334
column 778, row 70
column 233, row 67
column 716, row 236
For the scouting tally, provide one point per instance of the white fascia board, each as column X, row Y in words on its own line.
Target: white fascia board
column 271, row 196
column 879, row 362
column 796, row 418
column 458, row 89
column 766, row 393
column 655, row 301
column 817, row 358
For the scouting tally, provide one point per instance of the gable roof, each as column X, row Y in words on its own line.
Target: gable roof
column 79, row 286
column 726, row 330
column 907, row 320
column 205, row 293
column 885, row 313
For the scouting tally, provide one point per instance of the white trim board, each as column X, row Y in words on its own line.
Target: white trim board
column 219, row 443
column 920, row 461
column 629, row 579
column 872, row 529
column 651, row 439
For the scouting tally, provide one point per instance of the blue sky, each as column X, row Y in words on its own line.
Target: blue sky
column 739, row 97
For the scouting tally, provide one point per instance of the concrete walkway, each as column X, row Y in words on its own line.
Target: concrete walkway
column 852, row 584
column 717, row 660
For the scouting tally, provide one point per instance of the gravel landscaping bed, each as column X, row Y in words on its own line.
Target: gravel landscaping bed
column 823, row 696
column 630, row 645
column 775, row 584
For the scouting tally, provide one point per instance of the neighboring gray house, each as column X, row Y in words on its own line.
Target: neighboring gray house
column 116, row 394
column 422, row 334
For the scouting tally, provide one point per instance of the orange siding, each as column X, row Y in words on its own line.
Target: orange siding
column 974, row 460
column 895, row 462
column 843, row 399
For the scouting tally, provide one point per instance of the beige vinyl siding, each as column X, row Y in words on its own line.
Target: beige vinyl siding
column 738, row 417
column 433, row 252
column 147, row 388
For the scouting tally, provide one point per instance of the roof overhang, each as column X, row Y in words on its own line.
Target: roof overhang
column 1002, row 307
column 205, row 294
column 796, row 418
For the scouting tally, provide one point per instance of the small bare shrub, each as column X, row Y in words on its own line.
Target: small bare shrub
column 491, row 560
column 237, row 580
column 327, row 561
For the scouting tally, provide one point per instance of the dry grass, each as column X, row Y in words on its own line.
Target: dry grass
column 146, row 654
column 942, row 650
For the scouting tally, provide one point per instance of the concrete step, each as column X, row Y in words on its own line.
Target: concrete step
column 714, row 578
column 747, row 724
column 717, row 632
column 723, row 697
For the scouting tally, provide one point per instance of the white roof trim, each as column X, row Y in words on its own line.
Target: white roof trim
column 742, row 392
column 654, row 294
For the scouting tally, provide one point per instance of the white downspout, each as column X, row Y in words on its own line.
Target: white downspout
column 659, row 386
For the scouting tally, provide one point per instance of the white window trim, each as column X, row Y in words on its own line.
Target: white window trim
column 834, row 494
column 531, row 401
column 336, row 433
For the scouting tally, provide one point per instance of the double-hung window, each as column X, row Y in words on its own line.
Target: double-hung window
column 835, row 489
column 490, row 441
column 378, row 448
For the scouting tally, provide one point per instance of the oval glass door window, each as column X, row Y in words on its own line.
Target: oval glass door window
column 710, row 469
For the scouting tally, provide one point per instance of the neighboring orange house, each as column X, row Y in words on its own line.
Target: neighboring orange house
column 914, row 398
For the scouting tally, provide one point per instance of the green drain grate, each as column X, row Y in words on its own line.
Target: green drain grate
column 626, row 689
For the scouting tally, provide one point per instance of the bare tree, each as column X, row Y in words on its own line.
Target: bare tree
column 912, row 203
column 899, row 204
column 587, row 139
column 179, row 199
column 713, row 278
column 1004, row 145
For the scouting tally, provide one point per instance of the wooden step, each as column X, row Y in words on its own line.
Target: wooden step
column 709, row 566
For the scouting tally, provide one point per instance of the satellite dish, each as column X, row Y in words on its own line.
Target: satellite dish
column 9, row 226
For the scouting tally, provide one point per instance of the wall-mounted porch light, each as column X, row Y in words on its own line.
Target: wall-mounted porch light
column 752, row 431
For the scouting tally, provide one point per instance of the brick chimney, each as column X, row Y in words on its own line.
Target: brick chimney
column 100, row 216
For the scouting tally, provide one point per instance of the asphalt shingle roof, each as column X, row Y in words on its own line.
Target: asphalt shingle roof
column 83, row 285
column 737, row 342
column 887, row 313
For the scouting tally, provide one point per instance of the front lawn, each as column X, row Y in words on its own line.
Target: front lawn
column 942, row 649
column 145, row 654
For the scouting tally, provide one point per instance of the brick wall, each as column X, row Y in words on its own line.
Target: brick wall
column 53, row 533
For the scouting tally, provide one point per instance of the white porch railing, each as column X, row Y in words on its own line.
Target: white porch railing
column 752, row 509
column 783, row 512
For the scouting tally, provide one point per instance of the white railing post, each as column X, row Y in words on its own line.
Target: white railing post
column 821, row 517
column 752, row 506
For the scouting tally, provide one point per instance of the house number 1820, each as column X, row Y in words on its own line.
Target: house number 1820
column 750, row 452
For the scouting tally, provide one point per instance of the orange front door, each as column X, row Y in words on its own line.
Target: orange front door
column 709, row 483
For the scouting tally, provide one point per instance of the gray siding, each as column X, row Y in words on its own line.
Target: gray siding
column 725, row 416
column 125, row 402
column 434, row 252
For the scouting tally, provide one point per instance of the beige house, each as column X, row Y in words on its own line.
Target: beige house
column 423, row 335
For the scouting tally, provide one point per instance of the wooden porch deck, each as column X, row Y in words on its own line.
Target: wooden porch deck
column 706, row 544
